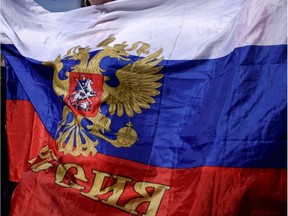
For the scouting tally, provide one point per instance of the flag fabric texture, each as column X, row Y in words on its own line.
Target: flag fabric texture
column 147, row 108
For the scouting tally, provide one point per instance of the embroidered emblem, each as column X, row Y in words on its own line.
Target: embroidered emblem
column 94, row 91
column 84, row 93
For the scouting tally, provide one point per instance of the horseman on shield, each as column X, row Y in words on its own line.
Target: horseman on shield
column 79, row 98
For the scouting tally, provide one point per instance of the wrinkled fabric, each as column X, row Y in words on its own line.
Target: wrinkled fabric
column 210, row 139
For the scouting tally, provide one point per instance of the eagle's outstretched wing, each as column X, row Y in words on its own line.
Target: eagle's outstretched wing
column 137, row 86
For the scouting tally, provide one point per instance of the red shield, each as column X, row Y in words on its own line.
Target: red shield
column 85, row 92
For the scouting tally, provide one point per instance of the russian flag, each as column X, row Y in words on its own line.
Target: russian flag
column 147, row 108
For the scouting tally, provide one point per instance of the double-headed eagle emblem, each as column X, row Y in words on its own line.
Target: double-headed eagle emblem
column 85, row 84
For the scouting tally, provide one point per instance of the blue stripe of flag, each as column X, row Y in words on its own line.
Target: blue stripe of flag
column 229, row 111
